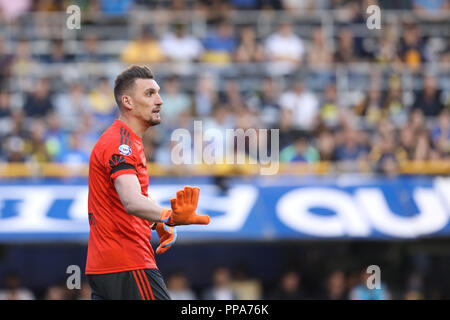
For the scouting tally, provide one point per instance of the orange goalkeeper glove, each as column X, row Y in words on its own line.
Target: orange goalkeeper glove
column 183, row 208
column 167, row 236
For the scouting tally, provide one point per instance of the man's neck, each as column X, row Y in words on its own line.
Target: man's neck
column 138, row 127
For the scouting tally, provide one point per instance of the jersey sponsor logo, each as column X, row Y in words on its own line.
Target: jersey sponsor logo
column 125, row 150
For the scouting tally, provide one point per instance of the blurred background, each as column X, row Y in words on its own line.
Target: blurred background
column 364, row 142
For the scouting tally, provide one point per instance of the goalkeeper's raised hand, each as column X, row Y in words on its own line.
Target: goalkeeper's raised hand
column 183, row 208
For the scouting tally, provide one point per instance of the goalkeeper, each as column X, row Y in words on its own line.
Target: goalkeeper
column 120, row 260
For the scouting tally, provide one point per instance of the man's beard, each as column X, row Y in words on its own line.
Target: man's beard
column 154, row 122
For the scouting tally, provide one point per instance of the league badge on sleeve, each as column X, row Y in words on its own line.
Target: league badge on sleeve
column 125, row 150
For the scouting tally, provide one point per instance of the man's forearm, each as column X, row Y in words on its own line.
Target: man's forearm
column 144, row 208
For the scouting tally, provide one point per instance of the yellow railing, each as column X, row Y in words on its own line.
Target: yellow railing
column 24, row 170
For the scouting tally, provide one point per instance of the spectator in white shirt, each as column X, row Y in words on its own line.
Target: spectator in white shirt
column 285, row 50
column 303, row 105
column 222, row 286
column 178, row 287
column 181, row 47
column 13, row 290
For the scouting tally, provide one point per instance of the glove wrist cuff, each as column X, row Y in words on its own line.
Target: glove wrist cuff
column 165, row 216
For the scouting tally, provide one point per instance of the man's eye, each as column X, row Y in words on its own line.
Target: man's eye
column 149, row 94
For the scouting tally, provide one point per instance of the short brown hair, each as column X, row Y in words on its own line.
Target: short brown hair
column 126, row 79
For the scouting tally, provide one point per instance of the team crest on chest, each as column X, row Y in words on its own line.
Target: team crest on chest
column 125, row 150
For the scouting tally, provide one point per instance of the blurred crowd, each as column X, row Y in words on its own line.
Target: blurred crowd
column 235, row 284
column 233, row 77
column 331, row 270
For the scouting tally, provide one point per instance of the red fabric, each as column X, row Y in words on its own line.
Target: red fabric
column 118, row 241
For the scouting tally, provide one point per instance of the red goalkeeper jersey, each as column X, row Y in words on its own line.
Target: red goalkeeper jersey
column 118, row 241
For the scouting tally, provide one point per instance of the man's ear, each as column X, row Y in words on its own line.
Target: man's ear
column 127, row 103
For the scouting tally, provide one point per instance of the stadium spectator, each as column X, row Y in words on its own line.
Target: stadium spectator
column 214, row 10
column 416, row 121
column 178, row 287
column 393, row 102
column 220, row 44
column 346, row 51
column 233, row 96
column 36, row 147
column 350, row 149
column 90, row 52
column 414, row 287
column 445, row 55
column 221, row 119
column 385, row 53
column 71, row 106
column 57, row 292
column 429, row 100
column 329, row 109
column 249, row 50
column 289, row 287
column 175, row 100
column 406, row 143
column 182, row 121
column 145, row 49
column 303, row 104
column 101, row 99
column 411, row 47
column 440, row 132
column 54, row 137
column 326, row 146
column 14, row 148
column 222, row 286
column 245, row 120
column 287, row 132
column 284, row 50
column 57, row 53
column 205, row 95
column 370, row 107
column 23, row 60
column 5, row 104
column 319, row 55
column 13, row 143
column 180, row 47
column 6, row 62
column 423, row 147
column 384, row 156
column 246, row 287
column 39, row 103
column 413, row 295
column 299, row 151
column 13, row 289
column 266, row 102
column 85, row 291
column 361, row 291
column 336, row 288
column 150, row 141
column 74, row 153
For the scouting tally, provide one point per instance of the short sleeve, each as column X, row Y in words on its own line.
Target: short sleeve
column 120, row 159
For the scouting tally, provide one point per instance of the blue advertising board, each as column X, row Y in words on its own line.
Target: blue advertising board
column 262, row 208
